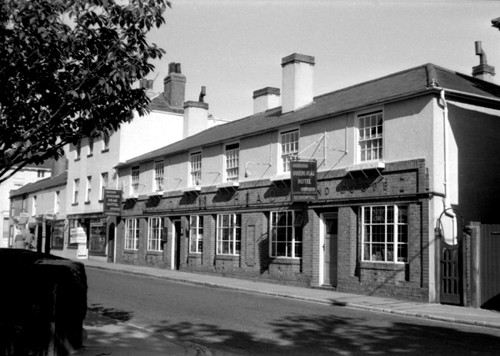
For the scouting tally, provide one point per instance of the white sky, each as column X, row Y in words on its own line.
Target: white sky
column 235, row 47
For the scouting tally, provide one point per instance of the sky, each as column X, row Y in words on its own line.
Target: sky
column 234, row 47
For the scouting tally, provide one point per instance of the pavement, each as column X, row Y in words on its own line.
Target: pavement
column 106, row 336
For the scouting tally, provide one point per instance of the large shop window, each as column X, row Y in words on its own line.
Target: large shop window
column 228, row 234
column 385, row 233
column 370, row 136
column 155, row 227
column 195, row 234
column 286, row 234
column 98, row 236
column 131, row 234
column 58, row 234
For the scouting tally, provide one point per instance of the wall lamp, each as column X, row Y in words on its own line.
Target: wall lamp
column 247, row 171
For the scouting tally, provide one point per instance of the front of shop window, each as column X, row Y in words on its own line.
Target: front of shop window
column 155, row 227
column 196, row 234
column 97, row 236
column 58, row 235
column 131, row 234
column 228, row 234
column 286, row 234
column 385, row 233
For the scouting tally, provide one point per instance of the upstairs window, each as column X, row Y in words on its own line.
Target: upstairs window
column 78, row 149
column 76, row 187
column 104, row 184
column 385, row 233
column 105, row 142
column 57, row 203
column 159, row 176
column 89, row 188
column 232, row 162
column 33, row 208
column 370, row 136
column 289, row 148
column 91, row 146
column 134, row 180
column 195, row 162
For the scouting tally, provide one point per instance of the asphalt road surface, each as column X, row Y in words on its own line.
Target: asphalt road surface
column 237, row 323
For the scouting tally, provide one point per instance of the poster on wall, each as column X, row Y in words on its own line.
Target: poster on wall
column 77, row 235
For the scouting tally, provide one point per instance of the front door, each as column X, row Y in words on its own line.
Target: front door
column 177, row 244
column 330, row 222
column 111, row 243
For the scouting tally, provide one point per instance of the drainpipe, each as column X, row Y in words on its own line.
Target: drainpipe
column 448, row 209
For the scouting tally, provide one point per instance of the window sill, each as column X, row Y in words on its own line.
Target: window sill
column 90, row 155
column 105, row 150
column 381, row 265
column 132, row 252
column 281, row 177
column 77, row 159
column 100, row 201
column 286, row 260
column 74, row 204
column 194, row 255
column 154, row 253
column 87, row 202
column 227, row 257
column 364, row 166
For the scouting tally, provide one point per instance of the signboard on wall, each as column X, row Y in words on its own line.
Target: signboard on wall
column 113, row 202
column 304, row 184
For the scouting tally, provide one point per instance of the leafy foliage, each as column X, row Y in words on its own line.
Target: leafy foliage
column 67, row 69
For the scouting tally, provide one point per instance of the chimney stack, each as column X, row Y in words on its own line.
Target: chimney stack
column 175, row 86
column 195, row 116
column 265, row 99
column 298, row 71
column 483, row 70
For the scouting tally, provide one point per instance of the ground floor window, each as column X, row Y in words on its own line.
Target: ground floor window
column 131, row 234
column 155, row 227
column 195, row 234
column 228, row 234
column 384, row 233
column 58, row 235
column 286, row 234
column 97, row 236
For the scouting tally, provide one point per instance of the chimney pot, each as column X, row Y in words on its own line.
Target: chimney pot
column 483, row 70
column 175, row 86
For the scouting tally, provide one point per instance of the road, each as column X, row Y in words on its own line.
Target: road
column 235, row 323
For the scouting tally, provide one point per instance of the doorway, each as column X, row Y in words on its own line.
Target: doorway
column 176, row 244
column 111, row 243
column 329, row 248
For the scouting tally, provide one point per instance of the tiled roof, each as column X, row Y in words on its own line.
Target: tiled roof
column 160, row 103
column 411, row 82
column 40, row 185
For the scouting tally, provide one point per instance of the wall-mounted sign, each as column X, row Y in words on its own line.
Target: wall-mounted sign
column 112, row 202
column 303, row 178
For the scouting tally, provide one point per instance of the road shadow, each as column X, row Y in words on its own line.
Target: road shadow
column 115, row 314
column 333, row 335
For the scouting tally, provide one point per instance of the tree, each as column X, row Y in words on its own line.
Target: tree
column 66, row 71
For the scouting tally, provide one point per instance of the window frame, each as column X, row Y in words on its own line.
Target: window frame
column 78, row 150
column 88, row 191
column 104, row 184
column 159, row 175
column 131, row 226
column 397, row 232
column 232, row 163
column 233, row 240
column 196, row 234
column 285, row 158
column 57, row 202
column 155, row 234
column 76, row 188
column 361, row 137
column 91, row 147
column 105, row 142
column 296, row 240
column 134, row 185
column 33, row 205
column 195, row 169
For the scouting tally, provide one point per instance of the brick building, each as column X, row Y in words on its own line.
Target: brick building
column 392, row 155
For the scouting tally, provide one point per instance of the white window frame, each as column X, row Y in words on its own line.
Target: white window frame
column 155, row 228
column 288, row 148
column 134, row 179
column 196, row 234
column 103, row 185
column 105, row 141
column 76, row 187
column 291, row 227
column 132, row 234
column 229, row 234
column 89, row 189
column 386, row 251
column 91, row 146
column 33, row 205
column 195, row 161
column 78, row 149
column 370, row 136
column 232, row 162
column 57, row 202
column 159, row 175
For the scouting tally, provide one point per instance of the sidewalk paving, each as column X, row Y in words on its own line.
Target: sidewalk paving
column 439, row 312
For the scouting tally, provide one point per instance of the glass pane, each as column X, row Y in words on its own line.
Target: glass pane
column 378, row 233
column 402, row 253
column 402, row 214
column 390, row 233
column 378, row 214
column 366, row 252
column 390, row 253
column 378, row 252
column 390, row 214
column 403, row 233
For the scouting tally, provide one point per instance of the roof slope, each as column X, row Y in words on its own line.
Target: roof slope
column 42, row 184
column 414, row 81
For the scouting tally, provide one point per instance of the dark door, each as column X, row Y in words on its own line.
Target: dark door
column 451, row 290
column 177, row 244
column 111, row 243
column 48, row 237
column 330, row 249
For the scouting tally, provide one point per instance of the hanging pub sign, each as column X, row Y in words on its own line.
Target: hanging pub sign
column 303, row 177
column 112, row 202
